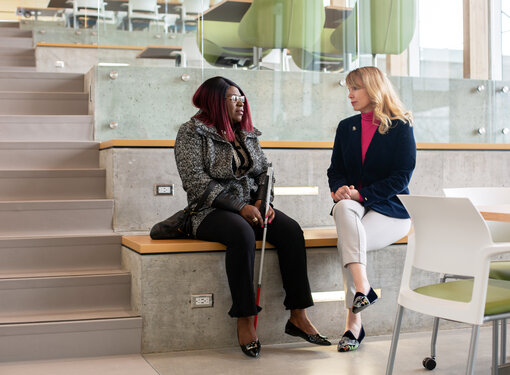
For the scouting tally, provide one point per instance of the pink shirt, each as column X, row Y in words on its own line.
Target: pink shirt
column 367, row 133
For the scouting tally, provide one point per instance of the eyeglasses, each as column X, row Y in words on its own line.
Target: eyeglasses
column 236, row 98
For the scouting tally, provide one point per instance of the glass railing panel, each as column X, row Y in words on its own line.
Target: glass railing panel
column 505, row 38
column 500, row 111
column 151, row 33
column 152, row 102
column 450, row 111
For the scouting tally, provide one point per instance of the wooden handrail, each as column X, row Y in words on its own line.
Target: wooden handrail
column 94, row 46
column 303, row 144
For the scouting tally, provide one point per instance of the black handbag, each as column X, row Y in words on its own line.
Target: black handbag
column 179, row 224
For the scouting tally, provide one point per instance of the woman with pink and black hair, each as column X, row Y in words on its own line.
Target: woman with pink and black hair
column 218, row 150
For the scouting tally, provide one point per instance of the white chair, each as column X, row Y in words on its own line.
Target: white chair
column 170, row 21
column 451, row 237
column 143, row 11
column 485, row 196
column 190, row 10
column 89, row 9
column 500, row 231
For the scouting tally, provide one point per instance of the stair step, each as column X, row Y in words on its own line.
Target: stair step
column 39, row 256
column 55, row 218
column 18, row 69
column 46, row 128
column 70, row 339
column 15, row 32
column 17, row 61
column 30, row 103
column 48, row 155
column 55, row 295
column 9, row 24
column 16, row 42
column 41, row 82
column 23, row 185
column 18, row 52
column 67, row 316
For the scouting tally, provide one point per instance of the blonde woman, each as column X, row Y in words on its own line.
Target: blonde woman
column 373, row 158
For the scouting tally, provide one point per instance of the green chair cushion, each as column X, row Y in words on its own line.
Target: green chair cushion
column 324, row 55
column 385, row 27
column 500, row 270
column 498, row 293
column 220, row 41
column 283, row 23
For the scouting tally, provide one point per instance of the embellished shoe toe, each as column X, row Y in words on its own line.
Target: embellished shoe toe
column 349, row 343
column 317, row 339
column 361, row 301
column 252, row 349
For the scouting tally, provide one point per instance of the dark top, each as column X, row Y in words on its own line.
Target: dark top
column 386, row 172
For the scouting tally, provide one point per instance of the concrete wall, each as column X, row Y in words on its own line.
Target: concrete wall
column 109, row 35
column 133, row 172
column 81, row 60
column 163, row 284
column 166, row 283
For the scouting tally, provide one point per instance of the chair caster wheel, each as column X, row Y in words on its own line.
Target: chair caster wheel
column 429, row 363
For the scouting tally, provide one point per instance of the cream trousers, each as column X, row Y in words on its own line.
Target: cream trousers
column 360, row 229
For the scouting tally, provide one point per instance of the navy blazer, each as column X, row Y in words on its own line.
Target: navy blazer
column 386, row 172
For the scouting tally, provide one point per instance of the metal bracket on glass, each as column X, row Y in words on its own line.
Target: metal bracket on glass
column 481, row 131
column 180, row 58
column 114, row 75
column 505, row 131
column 480, row 88
column 114, row 125
column 505, row 90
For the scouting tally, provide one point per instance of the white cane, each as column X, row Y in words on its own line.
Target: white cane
column 268, row 196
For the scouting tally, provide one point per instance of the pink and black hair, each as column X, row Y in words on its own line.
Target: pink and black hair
column 210, row 98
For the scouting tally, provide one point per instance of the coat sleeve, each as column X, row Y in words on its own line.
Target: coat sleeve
column 259, row 158
column 189, row 160
column 403, row 163
column 336, row 170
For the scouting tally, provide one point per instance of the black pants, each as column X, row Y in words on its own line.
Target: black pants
column 284, row 233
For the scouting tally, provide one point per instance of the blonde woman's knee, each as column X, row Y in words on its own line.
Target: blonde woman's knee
column 347, row 207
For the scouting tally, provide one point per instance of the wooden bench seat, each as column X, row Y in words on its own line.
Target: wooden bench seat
column 143, row 244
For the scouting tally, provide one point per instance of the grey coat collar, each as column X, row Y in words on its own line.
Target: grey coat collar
column 211, row 132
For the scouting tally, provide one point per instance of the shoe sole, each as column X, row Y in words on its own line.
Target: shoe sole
column 360, row 309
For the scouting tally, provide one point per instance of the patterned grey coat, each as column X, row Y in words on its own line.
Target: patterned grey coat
column 202, row 156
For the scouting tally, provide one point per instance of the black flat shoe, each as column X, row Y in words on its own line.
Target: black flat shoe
column 349, row 343
column 252, row 349
column 361, row 301
column 317, row 339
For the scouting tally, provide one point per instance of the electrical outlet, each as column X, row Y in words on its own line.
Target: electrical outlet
column 202, row 300
column 164, row 190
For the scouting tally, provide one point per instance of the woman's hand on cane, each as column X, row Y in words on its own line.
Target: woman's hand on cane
column 270, row 212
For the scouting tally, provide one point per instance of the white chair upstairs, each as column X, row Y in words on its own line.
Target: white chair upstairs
column 92, row 9
column 451, row 237
column 191, row 9
column 195, row 6
column 145, row 11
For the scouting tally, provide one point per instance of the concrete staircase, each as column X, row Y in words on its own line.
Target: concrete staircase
column 16, row 49
column 63, row 292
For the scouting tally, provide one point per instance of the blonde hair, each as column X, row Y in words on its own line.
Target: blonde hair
column 387, row 105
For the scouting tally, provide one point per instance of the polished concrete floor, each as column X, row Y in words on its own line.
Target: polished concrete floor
column 295, row 359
